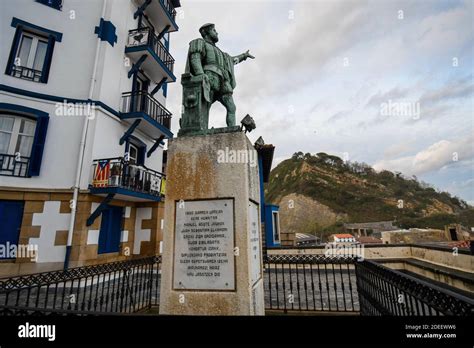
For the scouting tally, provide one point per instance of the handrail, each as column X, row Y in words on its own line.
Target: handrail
column 146, row 36
column 384, row 291
column 142, row 101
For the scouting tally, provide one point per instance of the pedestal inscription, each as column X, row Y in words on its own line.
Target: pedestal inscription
column 204, row 245
column 254, row 233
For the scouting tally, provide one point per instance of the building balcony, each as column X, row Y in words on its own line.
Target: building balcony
column 126, row 181
column 140, row 105
column 11, row 166
column 161, row 12
column 26, row 73
column 159, row 63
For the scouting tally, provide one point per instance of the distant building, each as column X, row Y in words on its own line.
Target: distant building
column 303, row 239
column 342, row 238
column 457, row 232
column 366, row 228
column 368, row 240
column 270, row 216
column 413, row 235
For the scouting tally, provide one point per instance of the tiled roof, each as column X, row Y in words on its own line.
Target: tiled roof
column 344, row 235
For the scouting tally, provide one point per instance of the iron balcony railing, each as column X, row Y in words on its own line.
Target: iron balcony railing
column 146, row 37
column 117, row 287
column 26, row 73
column 170, row 8
column 384, row 291
column 10, row 165
column 141, row 101
column 116, row 172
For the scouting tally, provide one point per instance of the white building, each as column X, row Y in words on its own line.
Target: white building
column 342, row 238
column 82, row 122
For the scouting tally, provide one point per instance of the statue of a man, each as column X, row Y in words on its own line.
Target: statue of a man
column 205, row 58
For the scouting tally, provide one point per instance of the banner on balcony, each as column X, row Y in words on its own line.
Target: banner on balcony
column 155, row 185
column 101, row 174
column 163, row 186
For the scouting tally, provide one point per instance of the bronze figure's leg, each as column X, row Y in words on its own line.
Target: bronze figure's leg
column 228, row 101
column 215, row 85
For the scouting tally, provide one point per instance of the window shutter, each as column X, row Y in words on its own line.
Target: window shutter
column 116, row 229
column 38, row 145
column 110, row 230
column 11, row 215
column 104, row 232
column 47, row 60
column 141, row 155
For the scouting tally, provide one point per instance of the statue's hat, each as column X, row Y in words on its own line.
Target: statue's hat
column 205, row 26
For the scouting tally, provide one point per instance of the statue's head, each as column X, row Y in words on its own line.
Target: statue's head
column 209, row 30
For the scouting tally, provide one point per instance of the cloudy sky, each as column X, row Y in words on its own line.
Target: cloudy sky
column 389, row 83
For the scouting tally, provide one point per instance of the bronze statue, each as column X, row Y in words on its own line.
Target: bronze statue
column 209, row 77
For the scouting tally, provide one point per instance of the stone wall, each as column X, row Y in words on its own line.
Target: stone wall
column 45, row 223
column 436, row 258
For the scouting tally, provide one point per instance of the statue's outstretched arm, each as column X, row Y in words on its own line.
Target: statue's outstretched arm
column 242, row 57
column 196, row 65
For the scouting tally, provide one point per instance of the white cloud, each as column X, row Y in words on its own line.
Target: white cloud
column 434, row 157
column 303, row 98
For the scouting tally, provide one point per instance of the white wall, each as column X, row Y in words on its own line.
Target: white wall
column 73, row 57
column 108, row 131
column 70, row 76
column 60, row 151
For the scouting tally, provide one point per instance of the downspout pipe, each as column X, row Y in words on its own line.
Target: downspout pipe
column 80, row 158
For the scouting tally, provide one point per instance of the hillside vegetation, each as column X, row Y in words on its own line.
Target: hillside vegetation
column 355, row 192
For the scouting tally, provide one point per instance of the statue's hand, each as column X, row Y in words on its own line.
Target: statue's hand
column 248, row 55
column 204, row 77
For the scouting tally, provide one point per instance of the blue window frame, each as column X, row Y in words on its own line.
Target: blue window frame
column 57, row 4
column 32, row 51
column 110, row 230
column 11, row 214
column 42, row 120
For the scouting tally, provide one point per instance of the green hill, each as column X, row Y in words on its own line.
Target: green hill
column 337, row 191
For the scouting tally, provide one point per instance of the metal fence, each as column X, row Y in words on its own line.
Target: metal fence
column 117, row 172
column 310, row 283
column 305, row 283
column 117, row 287
column 384, row 291
column 10, row 165
column 141, row 101
column 146, row 37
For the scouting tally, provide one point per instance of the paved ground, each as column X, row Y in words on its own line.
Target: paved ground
column 108, row 293
column 311, row 289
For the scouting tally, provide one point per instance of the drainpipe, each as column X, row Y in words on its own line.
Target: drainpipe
column 80, row 158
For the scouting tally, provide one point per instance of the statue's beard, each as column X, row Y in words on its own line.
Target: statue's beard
column 214, row 39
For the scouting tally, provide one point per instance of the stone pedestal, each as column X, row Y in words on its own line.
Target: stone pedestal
column 212, row 257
